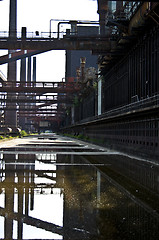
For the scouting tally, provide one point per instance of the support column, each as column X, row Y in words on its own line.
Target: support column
column 34, row 78
column 103, row 14
column 29, row 70
column 11, row 115
column 22, row 119
column 119, row 9
column 99, row 96
column 34, row 69
column 29, row 122
column 72, row 115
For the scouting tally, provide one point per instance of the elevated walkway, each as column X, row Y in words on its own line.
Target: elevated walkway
column 40, row 87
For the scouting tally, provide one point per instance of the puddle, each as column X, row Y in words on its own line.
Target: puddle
column 63, row 196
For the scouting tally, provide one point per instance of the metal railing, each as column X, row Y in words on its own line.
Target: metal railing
column 11, row 84
column 140, row 104
column 143, row 104
column 36, row 34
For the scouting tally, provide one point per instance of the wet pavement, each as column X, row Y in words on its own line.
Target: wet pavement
column 53, row 187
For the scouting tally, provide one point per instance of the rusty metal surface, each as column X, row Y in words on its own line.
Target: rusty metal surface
column 40, row 87
column 72, row 43
column 18, row 55
column 31, row 98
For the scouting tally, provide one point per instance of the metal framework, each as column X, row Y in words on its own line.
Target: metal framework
column 32, row 98
column 40, row 87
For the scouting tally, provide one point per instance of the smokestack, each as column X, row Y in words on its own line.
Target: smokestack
column 11, row 116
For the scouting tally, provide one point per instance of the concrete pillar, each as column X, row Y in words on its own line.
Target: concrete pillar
column 11, row 115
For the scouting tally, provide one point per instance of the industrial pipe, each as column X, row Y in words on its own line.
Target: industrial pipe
column 74, row 24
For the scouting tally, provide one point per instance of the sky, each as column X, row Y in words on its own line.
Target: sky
column 36, row 15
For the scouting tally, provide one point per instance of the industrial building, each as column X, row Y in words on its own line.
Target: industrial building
column 124, row 114
column 91, row 169
column 112, row 95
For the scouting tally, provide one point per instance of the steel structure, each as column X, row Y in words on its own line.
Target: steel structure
column 129, row 119
column 40, row 87
column 127, row 49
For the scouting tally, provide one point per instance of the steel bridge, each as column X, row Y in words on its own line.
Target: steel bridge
column 39, row 87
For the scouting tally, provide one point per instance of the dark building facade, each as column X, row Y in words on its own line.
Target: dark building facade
column 129, row 121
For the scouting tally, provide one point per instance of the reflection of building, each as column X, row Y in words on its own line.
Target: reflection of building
column 20, row 189
column 25, row 179
column 23, row 190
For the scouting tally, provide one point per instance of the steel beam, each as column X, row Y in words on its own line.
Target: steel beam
column 46, row 44
column 40, row 87
column 18, row 55
column 52, row 99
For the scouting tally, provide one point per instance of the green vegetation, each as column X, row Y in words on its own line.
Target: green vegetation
column 23, row 133
column 85, row 138
column 5, row 137
column 76, row 101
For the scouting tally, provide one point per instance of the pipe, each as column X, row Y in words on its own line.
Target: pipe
column 74, row 24
column 58, row 28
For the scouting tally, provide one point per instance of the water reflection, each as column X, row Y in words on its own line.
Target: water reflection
column 53, row 196
column 27, row 197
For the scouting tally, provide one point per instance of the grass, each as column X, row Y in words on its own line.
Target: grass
column 85, row 138
column 23, row 133
column 7, row 137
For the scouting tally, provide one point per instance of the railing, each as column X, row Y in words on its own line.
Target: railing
column 4, row 35
column 143, row 104
column 36, row 34
column 12, row 84
column 34, row 98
